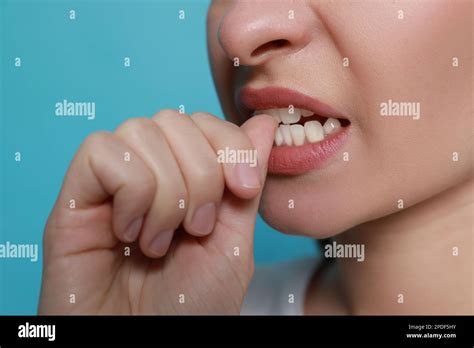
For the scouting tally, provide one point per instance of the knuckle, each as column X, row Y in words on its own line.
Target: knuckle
column 97, row 140
column 175, row 192
column 167, row 114
column 181, row 195
column 147, row 183
column 134, row 126
column 197, row 116
column 211, row 173
column 178, row 200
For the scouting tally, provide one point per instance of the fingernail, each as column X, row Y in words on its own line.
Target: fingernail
column 133, row 229
column 204, row 219
column 247, row 176
column 160, row 244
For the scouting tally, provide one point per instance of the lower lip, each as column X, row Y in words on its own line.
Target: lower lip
column 295, row 160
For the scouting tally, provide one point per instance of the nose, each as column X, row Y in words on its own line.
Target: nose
column 255, row 31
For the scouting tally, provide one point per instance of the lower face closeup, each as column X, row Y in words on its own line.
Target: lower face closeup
column 372, row 101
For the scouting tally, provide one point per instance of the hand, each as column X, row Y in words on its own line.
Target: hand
column 148, row 221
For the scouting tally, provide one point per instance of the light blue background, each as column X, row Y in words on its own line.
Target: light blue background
column 82, row 60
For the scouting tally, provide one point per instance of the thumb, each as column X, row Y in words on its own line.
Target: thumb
column 236, row 214
column 261, row 131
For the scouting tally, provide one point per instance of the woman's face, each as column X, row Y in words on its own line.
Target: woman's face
column 363, row 62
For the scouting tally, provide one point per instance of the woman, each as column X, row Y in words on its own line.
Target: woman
column 360, row 114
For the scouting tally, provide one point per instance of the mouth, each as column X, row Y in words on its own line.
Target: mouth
column 310, row 132
column 297, row 127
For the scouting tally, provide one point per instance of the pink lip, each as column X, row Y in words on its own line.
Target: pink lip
column 249, row 99
column 295, row 160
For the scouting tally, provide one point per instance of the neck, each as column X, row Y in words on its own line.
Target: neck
column 417, row 261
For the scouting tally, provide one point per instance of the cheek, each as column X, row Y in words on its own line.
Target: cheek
column 416, row 157
column 414, row 61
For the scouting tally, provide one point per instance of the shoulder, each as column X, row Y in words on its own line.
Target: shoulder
column 279, row 289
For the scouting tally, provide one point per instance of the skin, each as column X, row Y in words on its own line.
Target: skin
column 85, row 247
column 409, row 251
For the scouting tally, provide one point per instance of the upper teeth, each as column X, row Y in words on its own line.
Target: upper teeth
column 296, row 134
column 331, row 125
column 287, row 115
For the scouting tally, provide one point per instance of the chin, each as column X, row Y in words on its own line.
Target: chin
column 316, row 213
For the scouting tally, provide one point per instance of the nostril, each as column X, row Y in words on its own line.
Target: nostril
column 270, row 46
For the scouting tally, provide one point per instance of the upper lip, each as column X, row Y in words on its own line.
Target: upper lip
column 251, row 99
